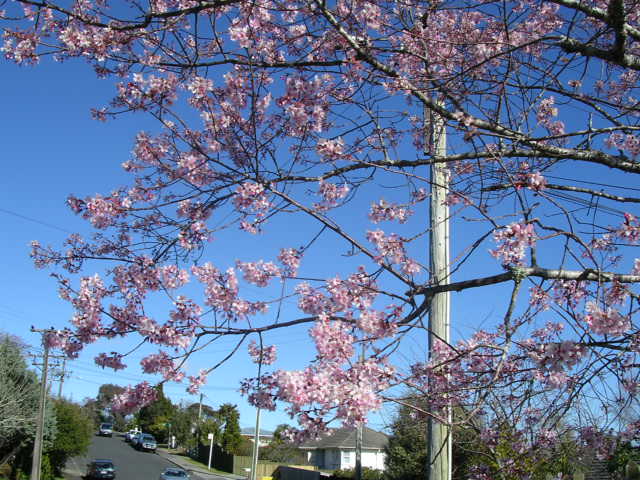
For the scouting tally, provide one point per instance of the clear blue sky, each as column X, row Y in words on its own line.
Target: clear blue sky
column 50, row 148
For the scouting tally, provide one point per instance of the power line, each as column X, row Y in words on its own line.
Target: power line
column 34, row 220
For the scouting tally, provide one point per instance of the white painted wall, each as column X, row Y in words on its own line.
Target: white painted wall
column 370, row 459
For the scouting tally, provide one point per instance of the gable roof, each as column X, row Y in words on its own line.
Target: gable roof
column 346, row 438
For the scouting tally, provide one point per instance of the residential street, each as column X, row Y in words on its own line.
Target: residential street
column 130, row 463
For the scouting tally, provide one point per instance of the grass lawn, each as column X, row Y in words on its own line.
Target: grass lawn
column 204, row 465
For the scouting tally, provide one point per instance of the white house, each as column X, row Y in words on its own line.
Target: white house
column 338, row 450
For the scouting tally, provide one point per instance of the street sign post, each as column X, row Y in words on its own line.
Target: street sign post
column 210, row 437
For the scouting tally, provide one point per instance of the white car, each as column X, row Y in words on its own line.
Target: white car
column 130, row 434
column 106, row 430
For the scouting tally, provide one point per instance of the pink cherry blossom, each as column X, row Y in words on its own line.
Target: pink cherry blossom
column 196, row 382
column 265, row 355
column 384, row 211
column 133, row 398
column 606, row 322
column 111, row 361
column 514, row 240
column 331, row 195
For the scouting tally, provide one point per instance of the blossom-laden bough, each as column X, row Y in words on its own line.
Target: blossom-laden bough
column 304, row 120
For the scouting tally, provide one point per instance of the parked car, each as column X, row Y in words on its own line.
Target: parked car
column 135, row 439
column 105, row 430
column 147, row 443
column 174, row 474
column 101, row 468
column 129, row 435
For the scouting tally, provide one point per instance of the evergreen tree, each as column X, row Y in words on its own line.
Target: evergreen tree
column 229, row 416
column 19, row 402
column 155, row 417
column 74, row 432
column 406, row 453
column 18, row 396
column 105, row 397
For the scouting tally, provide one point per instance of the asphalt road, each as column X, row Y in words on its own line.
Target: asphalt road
column 130, row 463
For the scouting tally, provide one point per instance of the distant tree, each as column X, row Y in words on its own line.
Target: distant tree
column 104, row 400
column 155, row 417
column 75, row 429
column 245, row 449
column 621, row 457
column 210, row 426
column 18, row 398
column 91, row 409
column 230, row 439
column 406, row 453
column 207, row 411
column 188, row 429
column 281, row 450
column 19, row 401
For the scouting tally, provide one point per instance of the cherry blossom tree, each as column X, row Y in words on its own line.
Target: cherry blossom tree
column 306, row 121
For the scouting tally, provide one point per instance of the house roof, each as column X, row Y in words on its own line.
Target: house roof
column 346, row 438
column 251, row 431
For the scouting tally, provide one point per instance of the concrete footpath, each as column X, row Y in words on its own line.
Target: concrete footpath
column 200, row 471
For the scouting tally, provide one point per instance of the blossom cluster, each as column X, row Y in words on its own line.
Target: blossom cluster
column 607, row 321
column 383, row 210
column 391, row 249
column 331, row 195
column 161, row 363
column 546, row 112
column 113, row 361
column 265, row 355
column 134, row 398
column 515, row 239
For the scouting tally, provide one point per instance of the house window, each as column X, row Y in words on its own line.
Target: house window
column 346, row 457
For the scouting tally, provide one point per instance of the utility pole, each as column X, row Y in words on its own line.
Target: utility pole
column 438, row 434
column 256, row 446
column 359, row 428
column 62, row 375
column 358, row 472
column 37, row 444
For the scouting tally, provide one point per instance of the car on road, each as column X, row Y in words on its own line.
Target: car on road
column 147, row 443
column 105, row 430
column 174, row 474
column 135, row 438
column 101, row 468
column 130, row 434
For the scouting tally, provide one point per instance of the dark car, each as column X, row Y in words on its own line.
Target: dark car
column 174, row 474
column 101, row 468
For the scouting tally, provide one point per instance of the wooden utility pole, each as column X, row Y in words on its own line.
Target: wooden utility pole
column 359, row 429
column 358, row 472
column 36, row 462
column 438, row 435
column 256, row 447
column 62, row 375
